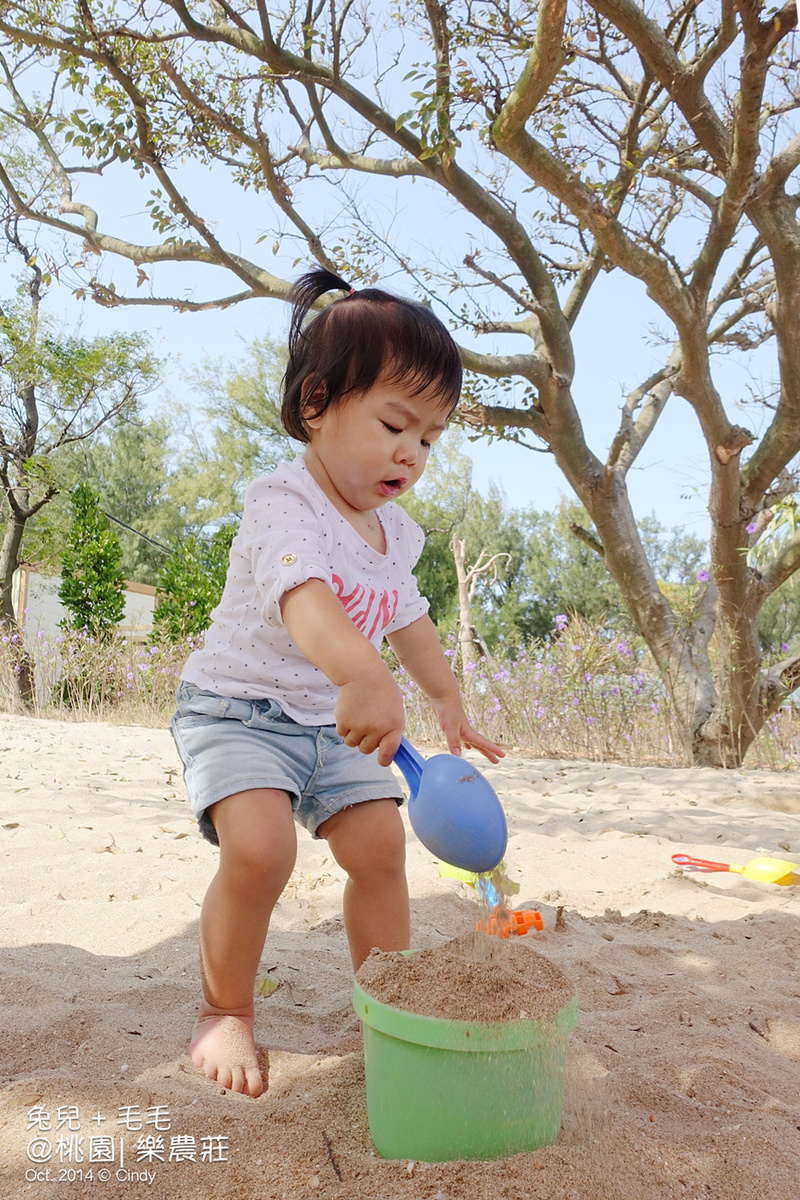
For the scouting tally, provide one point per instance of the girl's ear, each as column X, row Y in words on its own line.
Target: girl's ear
column 313, row 395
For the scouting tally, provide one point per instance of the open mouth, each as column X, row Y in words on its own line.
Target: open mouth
column 391, row 487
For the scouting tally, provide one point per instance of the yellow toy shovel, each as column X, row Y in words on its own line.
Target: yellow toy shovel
column 765, row 870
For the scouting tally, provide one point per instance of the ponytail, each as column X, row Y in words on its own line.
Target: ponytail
column 304, row 294
column 355, row 341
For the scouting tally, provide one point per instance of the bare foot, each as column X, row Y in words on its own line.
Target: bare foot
column 224, row 1048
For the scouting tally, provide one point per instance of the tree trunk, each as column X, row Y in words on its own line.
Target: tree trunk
column 717, row 728
column 716, row 731
column 9, row 561
column 468, row 654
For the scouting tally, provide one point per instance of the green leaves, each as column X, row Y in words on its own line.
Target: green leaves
column 190, row 586
column 92, row 588
column 430, row 118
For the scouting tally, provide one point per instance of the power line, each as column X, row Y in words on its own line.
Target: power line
column 138, row 532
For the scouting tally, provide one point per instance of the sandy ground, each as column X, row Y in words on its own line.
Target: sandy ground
column 683, row 1076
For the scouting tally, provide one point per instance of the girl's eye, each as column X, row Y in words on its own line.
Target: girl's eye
column 427, row 445
column 391, row 428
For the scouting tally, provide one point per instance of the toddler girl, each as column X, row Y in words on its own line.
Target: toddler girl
column 287, row 712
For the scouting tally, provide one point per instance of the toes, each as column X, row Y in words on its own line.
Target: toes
column 255, row 1084
column 222, row 1047
column 224, row 1077
column 199, row 1059
column 237, row 1083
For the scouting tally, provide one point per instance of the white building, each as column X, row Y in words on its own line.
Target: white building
column 39, row 610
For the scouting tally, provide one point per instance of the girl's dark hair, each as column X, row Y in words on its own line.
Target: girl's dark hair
column 364, row 336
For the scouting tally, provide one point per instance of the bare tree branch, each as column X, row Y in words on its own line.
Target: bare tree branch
column 648, row 400
column 782, row 566
column 743, row 154
column 587, row 537
column 397, row 168
column 538, row 73
column 109, row 298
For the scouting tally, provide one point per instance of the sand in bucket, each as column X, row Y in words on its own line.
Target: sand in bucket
column 464, row 1048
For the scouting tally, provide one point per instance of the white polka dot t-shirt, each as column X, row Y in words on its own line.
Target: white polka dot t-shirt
column 290, row 532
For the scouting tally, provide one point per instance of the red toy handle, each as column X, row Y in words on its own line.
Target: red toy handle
column 685, row 860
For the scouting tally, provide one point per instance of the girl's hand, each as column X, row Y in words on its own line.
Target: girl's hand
column 418, row 649
column 370, row 714
column 458, row 731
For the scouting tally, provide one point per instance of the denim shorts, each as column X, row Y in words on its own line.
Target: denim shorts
column 230, row 746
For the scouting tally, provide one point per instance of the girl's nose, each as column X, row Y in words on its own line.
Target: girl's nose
column 408, row 451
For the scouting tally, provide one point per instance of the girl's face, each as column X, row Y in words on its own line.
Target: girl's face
column 372, row 448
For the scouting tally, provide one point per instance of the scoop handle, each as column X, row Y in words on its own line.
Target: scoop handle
column 685, row 860
column 411, row 764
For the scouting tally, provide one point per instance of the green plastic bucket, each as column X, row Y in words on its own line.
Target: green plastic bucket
column 440, row 1090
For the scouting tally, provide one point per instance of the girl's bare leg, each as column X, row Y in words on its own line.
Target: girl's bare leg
column 368, row 841
column 258, row 847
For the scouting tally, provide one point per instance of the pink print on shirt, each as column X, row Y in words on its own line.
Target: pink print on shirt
column 361, row 605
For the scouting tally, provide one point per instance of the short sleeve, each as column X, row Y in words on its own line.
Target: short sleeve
column 283, row 539
column 414, row 607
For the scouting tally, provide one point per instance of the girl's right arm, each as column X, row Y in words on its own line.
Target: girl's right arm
column 369, row 711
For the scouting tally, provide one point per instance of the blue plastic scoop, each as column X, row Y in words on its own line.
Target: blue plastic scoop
column 453, row 810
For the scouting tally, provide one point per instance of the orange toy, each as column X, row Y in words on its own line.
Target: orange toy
column 503, row 922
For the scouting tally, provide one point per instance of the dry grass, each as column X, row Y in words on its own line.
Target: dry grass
column 583, row 694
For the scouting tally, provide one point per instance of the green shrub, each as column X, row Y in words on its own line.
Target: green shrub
column 190, row 586
column 92, row 587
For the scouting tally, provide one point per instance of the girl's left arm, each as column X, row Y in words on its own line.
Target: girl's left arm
column 420, row 653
